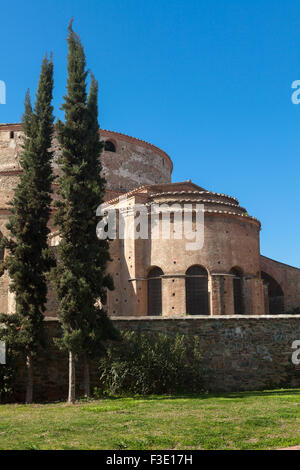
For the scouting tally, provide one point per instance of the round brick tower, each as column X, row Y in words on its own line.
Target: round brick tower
column 128, row 163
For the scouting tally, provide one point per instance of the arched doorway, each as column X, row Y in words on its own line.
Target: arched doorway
column 275, row 294
column 238, row 299
column 154, row 291
column 196, row 290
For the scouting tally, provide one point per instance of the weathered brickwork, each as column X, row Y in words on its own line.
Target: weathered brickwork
column 133, row 162
column 288, row 277
column 231, row 239
column 239, row 353
column 141, row 173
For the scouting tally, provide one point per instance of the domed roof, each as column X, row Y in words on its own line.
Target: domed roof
column 187, row 192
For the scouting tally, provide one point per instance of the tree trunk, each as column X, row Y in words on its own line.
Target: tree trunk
column 29, row 385
column 71, row 398
column 86, row 377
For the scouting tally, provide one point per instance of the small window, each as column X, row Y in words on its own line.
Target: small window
column 11, row 134
column 109, row 146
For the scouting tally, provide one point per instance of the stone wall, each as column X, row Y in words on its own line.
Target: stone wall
column 239, row 353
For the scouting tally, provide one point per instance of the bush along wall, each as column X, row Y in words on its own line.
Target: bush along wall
column 223, row 354
column 143, row 363
column 7, row 377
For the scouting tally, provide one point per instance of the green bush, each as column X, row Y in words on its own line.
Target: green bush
column 6, row 379
column 151, row 364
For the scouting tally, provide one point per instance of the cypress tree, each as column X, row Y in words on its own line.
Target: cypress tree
column 29, row 259
column 80, row 277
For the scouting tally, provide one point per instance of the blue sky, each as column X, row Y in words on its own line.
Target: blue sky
column 207, row 81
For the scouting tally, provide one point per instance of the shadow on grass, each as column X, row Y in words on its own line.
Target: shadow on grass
column 182, row 396
column 207, row 395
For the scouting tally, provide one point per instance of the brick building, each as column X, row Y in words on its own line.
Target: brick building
column 157, row 276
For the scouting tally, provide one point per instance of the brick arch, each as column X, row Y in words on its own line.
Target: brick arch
column 237, row 271
column 196, row 290
column 110, row 145
column 274, row 293
column 154, row 291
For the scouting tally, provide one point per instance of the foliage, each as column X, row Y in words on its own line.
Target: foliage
column 144, row 364
column 80, row 277
column 6, row 377
column 29, row 257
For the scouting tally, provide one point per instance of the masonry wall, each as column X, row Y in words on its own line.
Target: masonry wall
column 239, row 353
column 288, row 277
column 135, row 162
column 229, row 241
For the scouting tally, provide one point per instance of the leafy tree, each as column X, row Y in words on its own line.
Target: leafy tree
column 29, row 259
column 79, row 277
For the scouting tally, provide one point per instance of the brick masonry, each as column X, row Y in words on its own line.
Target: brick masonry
column 142, row 172
column 239, row 353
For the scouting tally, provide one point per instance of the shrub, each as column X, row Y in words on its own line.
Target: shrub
column 6, row 381
column 151, row 364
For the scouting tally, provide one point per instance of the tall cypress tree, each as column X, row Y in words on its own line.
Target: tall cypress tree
column 99, row 326
column 29, row 258
column 79, row 277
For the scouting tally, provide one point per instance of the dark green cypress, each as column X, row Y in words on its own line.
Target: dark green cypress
column 29, row 259
column 80, row 277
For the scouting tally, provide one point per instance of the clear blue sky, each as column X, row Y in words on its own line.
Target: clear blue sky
column 207, row 81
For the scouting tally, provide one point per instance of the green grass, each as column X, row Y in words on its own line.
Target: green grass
column 250, row 420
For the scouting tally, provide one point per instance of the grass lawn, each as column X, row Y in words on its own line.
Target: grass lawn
column 250, row 420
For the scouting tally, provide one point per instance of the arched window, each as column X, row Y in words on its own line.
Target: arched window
column 196, row 289
column 109, row 146
column 154, row 291
column 275, row 294
column 237, row 281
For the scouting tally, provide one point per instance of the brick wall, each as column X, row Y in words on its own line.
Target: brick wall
column 288, row 278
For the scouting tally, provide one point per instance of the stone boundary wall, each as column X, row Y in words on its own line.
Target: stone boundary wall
column 239, row 353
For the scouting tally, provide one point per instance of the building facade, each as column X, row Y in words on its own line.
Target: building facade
column 156, row 275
